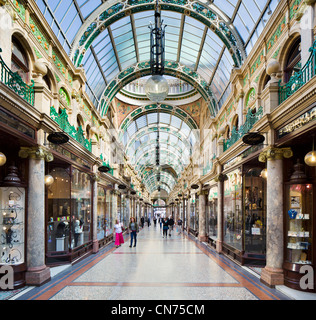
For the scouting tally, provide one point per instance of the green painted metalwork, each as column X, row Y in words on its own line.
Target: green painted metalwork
column 172, row 68
column 63, row 122
column 251, row 119
column 107, row 164
column 196, row 10
column 300, row 78
column 14, row 81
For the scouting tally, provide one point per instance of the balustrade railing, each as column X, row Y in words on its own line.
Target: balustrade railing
column 300, row 78
column 14, row 81
column 62, row 120
column 251, row 119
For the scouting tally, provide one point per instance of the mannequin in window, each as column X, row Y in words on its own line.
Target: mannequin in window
column 77, row 231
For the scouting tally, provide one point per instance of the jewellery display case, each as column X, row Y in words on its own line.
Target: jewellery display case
column 298, row 227
column 12, row 225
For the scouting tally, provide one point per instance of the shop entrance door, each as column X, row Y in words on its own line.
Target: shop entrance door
column 254, row 219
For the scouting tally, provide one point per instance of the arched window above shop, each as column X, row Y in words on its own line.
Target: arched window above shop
column 79, row 121
column 47, row 82
column 88, row 132
column 293, row 60
column 19, row 61
column 235, row 122
column 227, row 132
column 267, row 78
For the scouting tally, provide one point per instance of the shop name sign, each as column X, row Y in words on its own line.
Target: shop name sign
column 298, row 123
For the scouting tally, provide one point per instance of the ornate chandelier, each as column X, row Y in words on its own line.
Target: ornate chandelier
column 156, row 87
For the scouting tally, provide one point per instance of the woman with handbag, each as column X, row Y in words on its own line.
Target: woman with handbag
column 133, row 227
column 118, row 233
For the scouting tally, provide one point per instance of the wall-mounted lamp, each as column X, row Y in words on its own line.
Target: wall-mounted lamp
column 49, row 180
column 310, row 158
column 264, row 173
column 3, row 159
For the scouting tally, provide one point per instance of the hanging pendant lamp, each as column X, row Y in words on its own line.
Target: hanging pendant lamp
column 156, row 87
column 310, row 158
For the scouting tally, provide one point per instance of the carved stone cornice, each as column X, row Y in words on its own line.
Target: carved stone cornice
column 38, row 153
column 275, row 154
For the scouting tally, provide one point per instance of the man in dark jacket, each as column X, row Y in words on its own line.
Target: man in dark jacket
column 165, row 223
column 171, row 223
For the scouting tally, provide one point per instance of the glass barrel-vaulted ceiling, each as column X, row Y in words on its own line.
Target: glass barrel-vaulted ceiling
column 125, row 41
column 177, row 138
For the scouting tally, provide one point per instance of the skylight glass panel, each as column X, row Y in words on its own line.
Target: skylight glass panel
column 88, row 6
column 124, row 41
column 164, row 118
column 172, row 20
column 152, row 118
column 185, row 129
column 176, row 122
column 141, row 122
column 227, row 6
column 131, row 129
column 191, row 41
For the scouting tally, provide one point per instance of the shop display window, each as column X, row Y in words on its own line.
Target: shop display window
column 81, row 208
column 211, row 220
column 109, row 223
column 12, row 225
column 58, row 224
column 299, row 208
column 233, row 209
column 254, row 211
column 194, row 213
column 69, row 209
column 101, row 211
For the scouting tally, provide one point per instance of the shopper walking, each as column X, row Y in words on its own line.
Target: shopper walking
column 133, row 227
column 142, row 221
column 179, row 226
column 171, row 224
column 165, row 227
column 118, row 231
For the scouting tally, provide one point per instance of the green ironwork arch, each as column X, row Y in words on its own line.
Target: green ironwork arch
column 172, row 68
column 110, row 12
column 154, row 108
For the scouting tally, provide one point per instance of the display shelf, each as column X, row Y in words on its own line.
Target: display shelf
column 299, row 199
column 12, row 229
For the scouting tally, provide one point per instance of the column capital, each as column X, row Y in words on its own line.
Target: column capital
column 203, row 193
column 275, row 154
column 95, row 177
column 38, row 153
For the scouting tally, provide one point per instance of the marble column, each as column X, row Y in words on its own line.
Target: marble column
column 220, row 213
column 128, row 204
column 95, row 241
column 272, row 274
column 202, row 216
column 188, row 214
column 37, row 272
column 183, row 213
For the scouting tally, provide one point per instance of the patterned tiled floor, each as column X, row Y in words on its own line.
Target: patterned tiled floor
column 176, row 268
